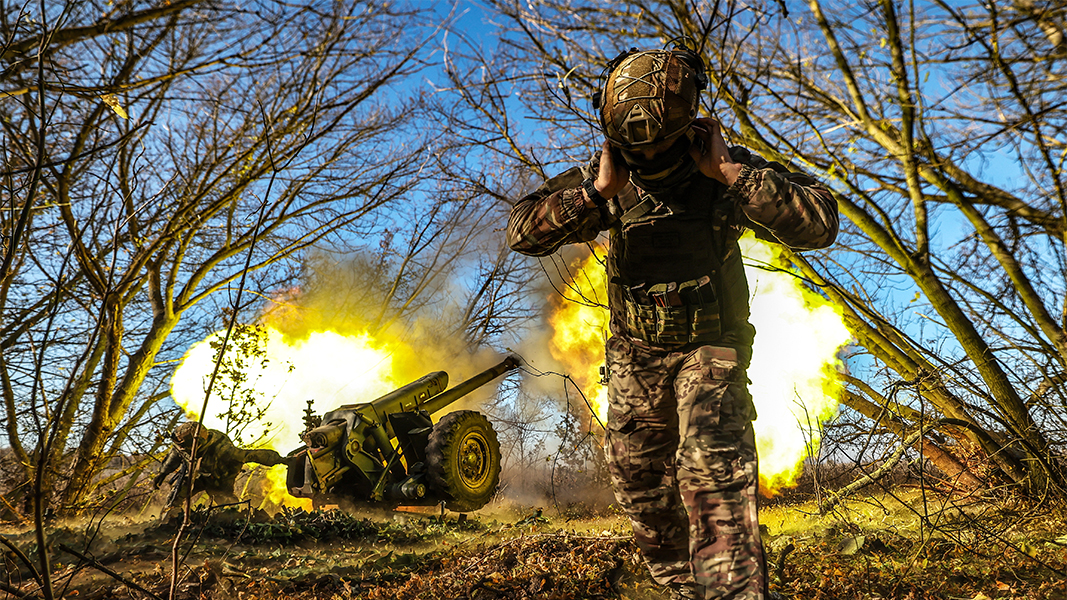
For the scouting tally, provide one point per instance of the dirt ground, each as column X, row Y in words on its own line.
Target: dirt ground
column 899, row 545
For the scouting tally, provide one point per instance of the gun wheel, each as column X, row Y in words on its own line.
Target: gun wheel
column 463, row 460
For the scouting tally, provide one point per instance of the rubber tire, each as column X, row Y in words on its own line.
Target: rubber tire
column 463, row 460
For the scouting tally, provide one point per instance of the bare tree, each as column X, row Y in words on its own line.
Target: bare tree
column 145, row 153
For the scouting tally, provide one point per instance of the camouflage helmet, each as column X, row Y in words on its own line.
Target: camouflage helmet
column 650, row 96
column 184, row 433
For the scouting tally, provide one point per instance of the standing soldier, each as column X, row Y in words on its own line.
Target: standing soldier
column 675, row 199
column 218, row 464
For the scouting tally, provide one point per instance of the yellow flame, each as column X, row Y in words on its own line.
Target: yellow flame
column 275, row 492
column 579, row 329
column 794, row 358
column 328, row 367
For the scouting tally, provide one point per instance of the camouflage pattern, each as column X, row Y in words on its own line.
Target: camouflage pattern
column 777, row 205
column 682, row 457
column 219, row 463
column 680, row 444
column 650, row 96
column 184, row 433
column 789, row 208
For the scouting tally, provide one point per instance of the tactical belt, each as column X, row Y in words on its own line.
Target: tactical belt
column 673, row 314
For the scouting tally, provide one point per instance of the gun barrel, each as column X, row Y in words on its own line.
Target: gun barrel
column 447, row 397
column 409, row 397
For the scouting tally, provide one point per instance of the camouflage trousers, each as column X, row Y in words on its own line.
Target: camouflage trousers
column 682, row 457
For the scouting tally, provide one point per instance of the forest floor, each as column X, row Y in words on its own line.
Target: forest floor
column 906, row 544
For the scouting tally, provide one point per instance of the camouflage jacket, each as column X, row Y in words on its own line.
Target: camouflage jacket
column 219, row 459
column 779, row 206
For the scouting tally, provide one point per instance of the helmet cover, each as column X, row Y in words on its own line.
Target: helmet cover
column 184, row 433
column 650, row 97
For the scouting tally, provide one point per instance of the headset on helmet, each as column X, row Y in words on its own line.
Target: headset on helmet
column 649, row 96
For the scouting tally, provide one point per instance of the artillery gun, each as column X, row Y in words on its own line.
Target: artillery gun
column 349, row 453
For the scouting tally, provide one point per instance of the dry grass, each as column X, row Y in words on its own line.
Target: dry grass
column 900, row 544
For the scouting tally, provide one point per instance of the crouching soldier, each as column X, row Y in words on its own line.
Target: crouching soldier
column 218, row 464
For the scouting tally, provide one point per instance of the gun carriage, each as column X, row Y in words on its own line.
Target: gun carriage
column 389, row 451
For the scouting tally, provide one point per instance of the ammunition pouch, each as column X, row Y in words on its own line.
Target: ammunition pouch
column 672, row 315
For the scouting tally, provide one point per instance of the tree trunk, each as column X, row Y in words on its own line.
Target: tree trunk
column 956, row 473
column 110, row 409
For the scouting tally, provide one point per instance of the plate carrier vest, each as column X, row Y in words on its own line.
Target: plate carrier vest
column 678, row 267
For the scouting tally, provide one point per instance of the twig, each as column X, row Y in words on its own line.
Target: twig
column 15, row 591
column 88, row 543
column 878, row 473
column 14, row 511
column 25, row 559
column 779, row 568
column 107, row 571
column 221, row 355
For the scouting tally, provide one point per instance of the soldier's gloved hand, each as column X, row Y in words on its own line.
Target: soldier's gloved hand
column 711, row 153
column 613, row 175
column 158, row 481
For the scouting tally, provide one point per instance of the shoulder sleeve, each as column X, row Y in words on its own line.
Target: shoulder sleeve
column 554, row 214
column 171, row 462
column 794, row 208
column 217, row 441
